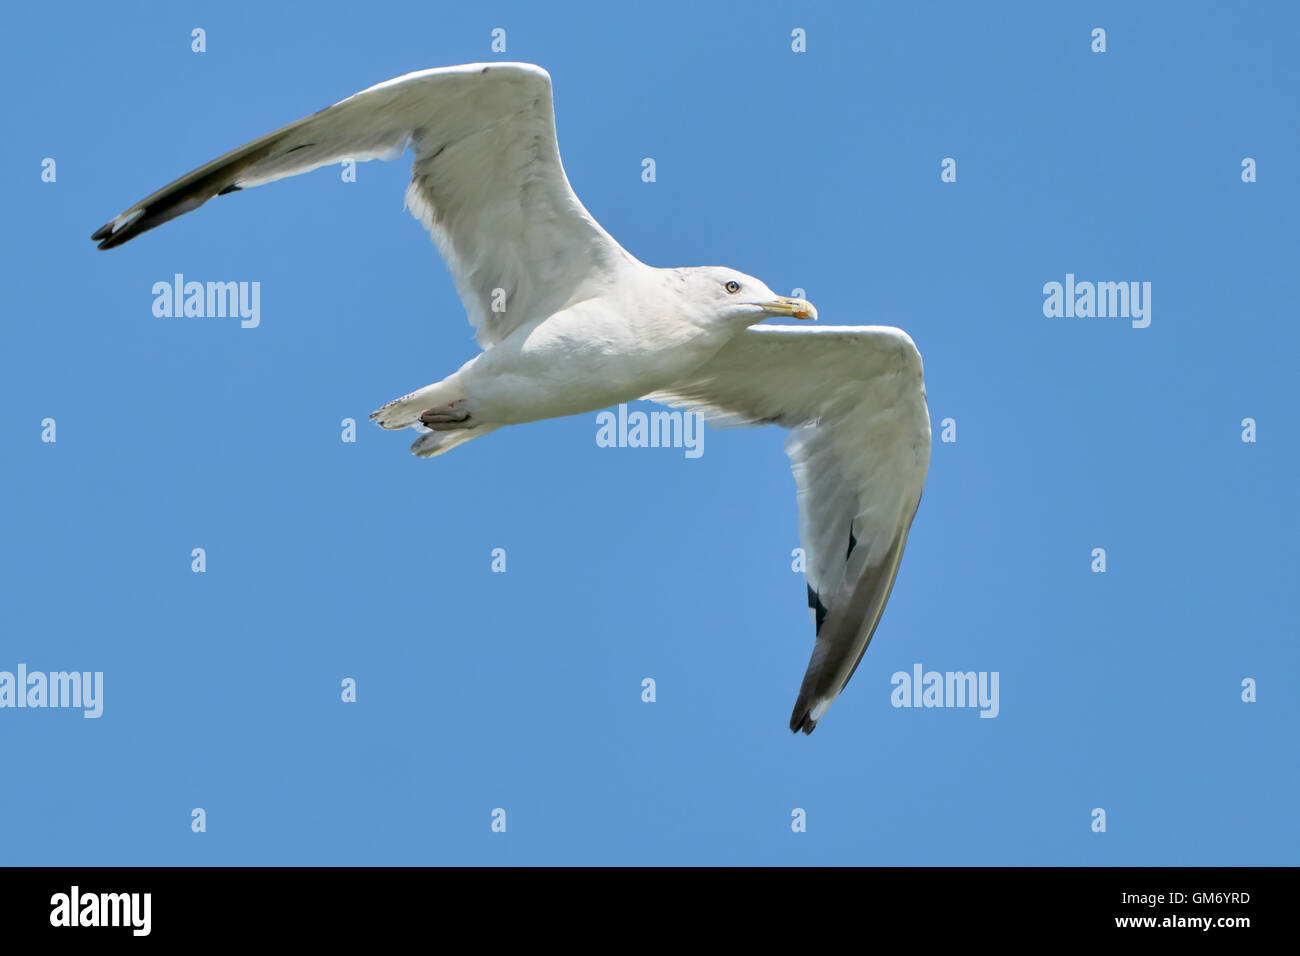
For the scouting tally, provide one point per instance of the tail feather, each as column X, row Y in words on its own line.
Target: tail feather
column 431, row 444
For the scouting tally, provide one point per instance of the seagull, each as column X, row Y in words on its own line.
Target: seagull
column 570, row 322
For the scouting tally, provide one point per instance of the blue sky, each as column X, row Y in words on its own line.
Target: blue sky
column 477, row 690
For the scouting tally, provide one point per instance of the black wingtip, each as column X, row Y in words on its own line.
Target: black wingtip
column 151, row 217
column 107, row 237
column 112, row 239
column 802, row 720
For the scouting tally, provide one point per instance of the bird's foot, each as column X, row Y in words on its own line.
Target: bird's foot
column 443, row 418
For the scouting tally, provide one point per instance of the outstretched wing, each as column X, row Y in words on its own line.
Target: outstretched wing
column 487, row 182
column 854, row 399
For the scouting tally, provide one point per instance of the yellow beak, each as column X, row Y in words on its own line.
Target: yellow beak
column 799, row 308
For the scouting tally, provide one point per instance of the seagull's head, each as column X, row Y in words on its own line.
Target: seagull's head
column 735, row 297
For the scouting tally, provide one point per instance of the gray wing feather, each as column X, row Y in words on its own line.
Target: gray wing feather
column 487, row 182
column 859, row 446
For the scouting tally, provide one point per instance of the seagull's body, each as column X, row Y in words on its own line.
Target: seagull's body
column 570, row 322
column 617, row 346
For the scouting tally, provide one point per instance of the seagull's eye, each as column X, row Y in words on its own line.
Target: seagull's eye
column 733, row 286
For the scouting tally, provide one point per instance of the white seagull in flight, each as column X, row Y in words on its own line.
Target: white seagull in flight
column 570, row 322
